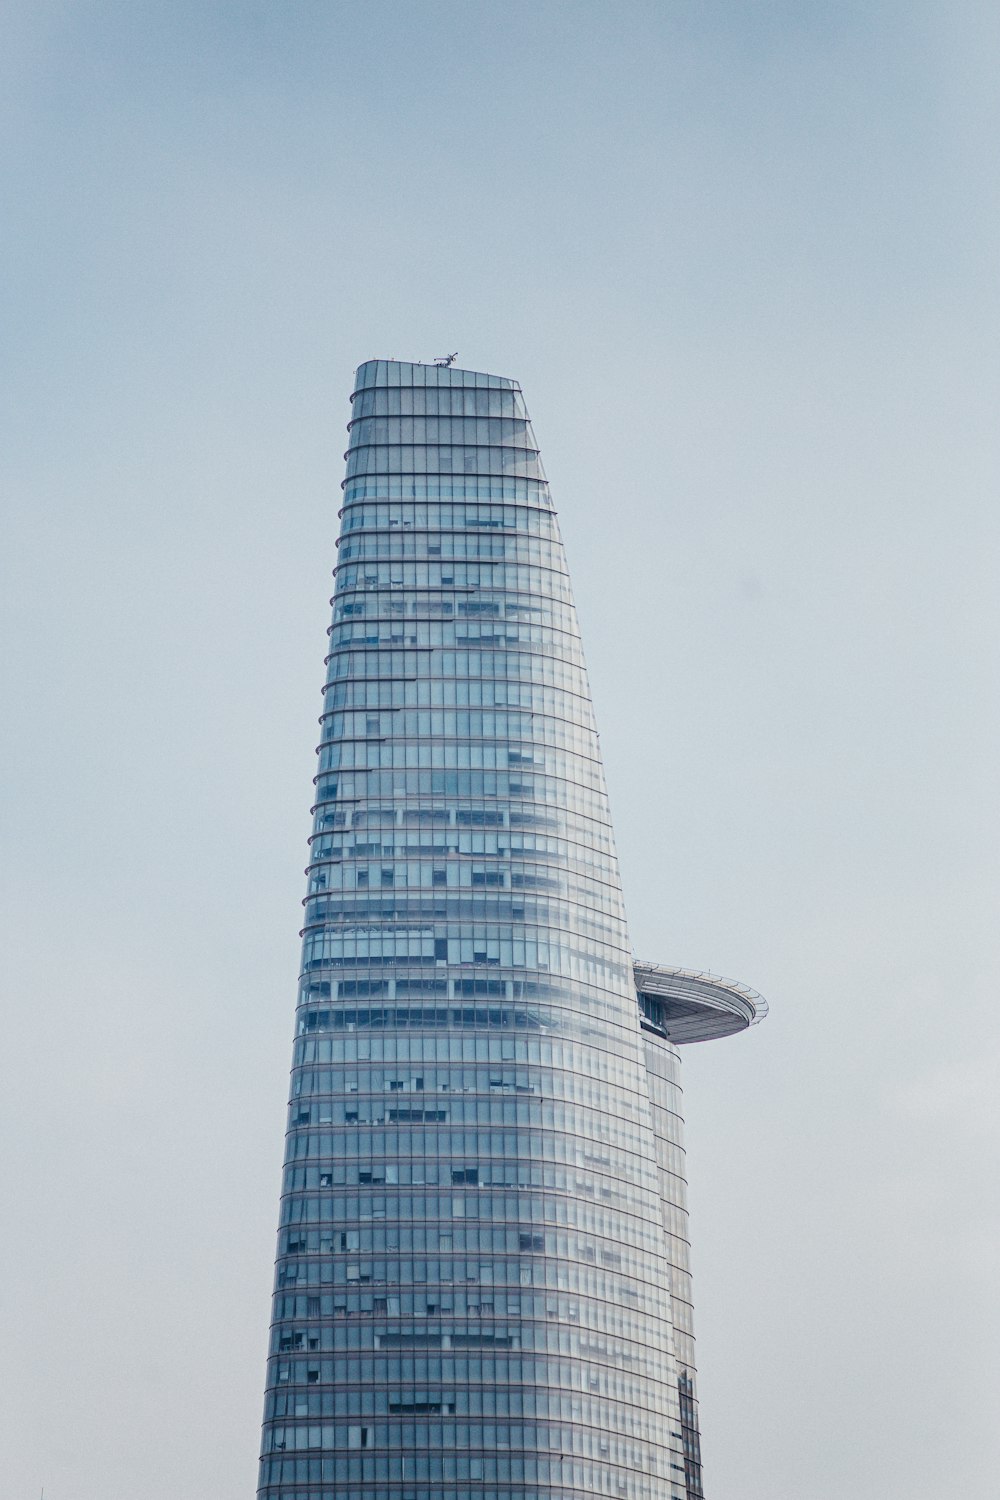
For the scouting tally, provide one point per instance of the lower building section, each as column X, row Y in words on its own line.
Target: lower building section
column 677, row 1007
column 471, row 1295
column 469, row 1301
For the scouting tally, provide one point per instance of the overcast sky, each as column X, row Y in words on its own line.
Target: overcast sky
column 743, row 257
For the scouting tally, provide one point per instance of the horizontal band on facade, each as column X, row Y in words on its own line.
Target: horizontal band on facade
column 376, row 486
column 390, row 372
column 357, row 501
column 492, row 583
column 443, row 429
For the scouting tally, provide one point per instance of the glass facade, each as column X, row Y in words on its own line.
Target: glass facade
column 482, row 1284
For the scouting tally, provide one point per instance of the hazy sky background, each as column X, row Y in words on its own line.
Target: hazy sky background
column 744, row 259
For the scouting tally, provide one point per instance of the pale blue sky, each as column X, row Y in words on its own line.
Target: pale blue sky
column 743, row 258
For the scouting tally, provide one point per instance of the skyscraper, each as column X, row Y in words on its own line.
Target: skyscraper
column 482, row 1284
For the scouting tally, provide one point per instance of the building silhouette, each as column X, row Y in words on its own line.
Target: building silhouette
column 482, row 1284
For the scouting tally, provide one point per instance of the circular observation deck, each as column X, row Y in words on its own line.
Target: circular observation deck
column 683, row 1005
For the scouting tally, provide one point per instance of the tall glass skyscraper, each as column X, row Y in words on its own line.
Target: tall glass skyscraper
column 482, row 1288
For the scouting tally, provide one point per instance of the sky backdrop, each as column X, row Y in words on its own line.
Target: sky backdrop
column 743, row 258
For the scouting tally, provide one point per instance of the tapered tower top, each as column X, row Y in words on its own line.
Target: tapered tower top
column 405, row 372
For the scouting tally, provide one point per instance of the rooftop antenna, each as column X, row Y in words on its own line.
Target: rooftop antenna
column 445, row 360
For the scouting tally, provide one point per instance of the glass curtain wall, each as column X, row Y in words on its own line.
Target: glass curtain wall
column 663, row 1072
column 472, row 1287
